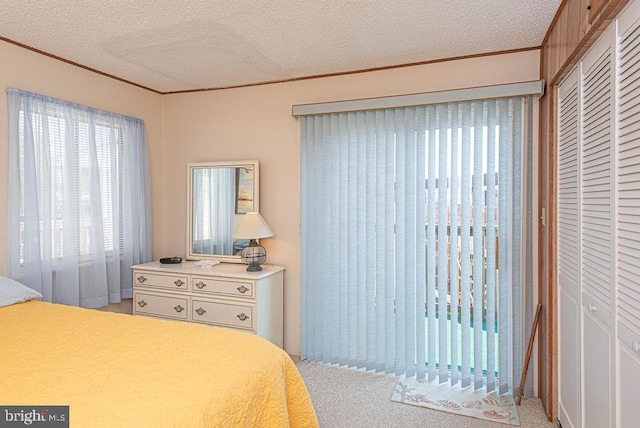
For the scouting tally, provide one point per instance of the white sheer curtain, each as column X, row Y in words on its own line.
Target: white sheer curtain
column 79, row 200
column 214, row 195
column 412, row 239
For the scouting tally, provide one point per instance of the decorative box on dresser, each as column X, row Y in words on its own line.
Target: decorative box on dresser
column 223, row 295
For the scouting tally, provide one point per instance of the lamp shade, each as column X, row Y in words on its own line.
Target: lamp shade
column 252, row 226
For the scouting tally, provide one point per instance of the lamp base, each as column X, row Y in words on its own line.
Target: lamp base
column 254, row 267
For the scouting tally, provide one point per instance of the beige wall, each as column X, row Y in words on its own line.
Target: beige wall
column 256, row 123
column 27, row 70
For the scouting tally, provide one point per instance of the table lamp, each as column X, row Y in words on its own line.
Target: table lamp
column 253, row 227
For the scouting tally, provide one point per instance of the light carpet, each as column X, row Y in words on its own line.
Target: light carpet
column 352, row 398
column 462, row 401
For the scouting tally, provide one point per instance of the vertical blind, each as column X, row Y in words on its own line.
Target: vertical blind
column 413, row 234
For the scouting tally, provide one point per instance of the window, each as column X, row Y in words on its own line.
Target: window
column 79, row 198
column 106, row 155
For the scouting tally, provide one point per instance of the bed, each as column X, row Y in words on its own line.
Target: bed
column 116, row 370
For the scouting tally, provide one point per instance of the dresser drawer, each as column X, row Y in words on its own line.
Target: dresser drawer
column 148, row 279
column 223, row 286
column 161, row 306
column 226, row 314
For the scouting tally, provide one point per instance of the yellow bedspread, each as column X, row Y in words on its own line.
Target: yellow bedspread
column 116, row 370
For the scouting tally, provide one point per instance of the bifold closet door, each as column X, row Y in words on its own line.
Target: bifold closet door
column 605, row 304
column 586, row 281
column 628, row 210
column 569, row 328
column 597, row 217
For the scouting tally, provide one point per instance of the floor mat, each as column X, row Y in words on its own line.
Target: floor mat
column 461, row 401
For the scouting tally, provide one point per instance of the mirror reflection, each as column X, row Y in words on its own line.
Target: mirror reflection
column 220, row 194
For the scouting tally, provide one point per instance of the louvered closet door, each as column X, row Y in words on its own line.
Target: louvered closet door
column 628, row 209
column 597, row 239
column 569, row 344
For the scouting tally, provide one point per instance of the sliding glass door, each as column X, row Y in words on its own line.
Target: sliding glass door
column 415, row 222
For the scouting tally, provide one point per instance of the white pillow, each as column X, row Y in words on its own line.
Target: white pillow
column 12, row 291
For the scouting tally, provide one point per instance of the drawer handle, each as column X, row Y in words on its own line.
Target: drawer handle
column 179, row 283
column 142, row 303
column 200, row 311
column 141, row 279
column 201, row 285
column 242, row 289
column 243, row 317
column 635, row 345
column 178, row 308
column 591, row 307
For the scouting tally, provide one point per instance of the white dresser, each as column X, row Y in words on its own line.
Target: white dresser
column 223, row 295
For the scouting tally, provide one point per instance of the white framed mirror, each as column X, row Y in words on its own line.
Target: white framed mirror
column 219, row 194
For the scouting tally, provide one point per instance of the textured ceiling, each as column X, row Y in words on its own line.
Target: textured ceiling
column 186, row 44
